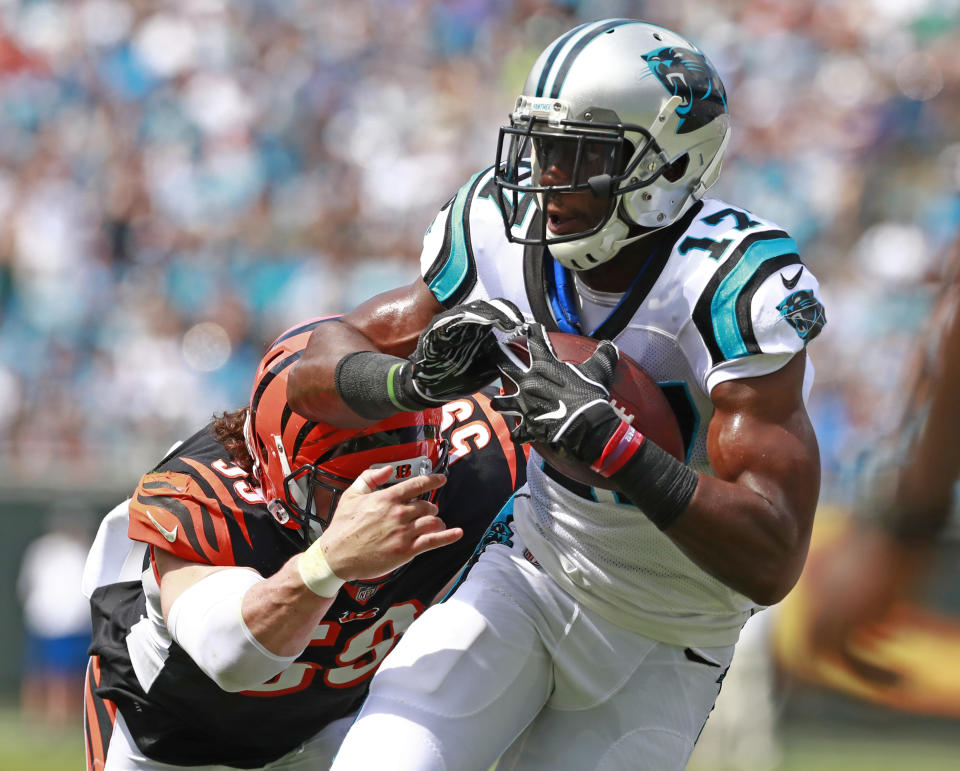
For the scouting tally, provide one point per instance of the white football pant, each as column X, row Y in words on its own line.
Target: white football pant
column 512, row 666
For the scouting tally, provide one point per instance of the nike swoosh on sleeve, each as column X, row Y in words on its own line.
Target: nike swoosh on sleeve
column 790, row 283
column 170, row 535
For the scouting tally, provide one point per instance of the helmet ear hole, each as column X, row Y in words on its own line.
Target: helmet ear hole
column 674, row 172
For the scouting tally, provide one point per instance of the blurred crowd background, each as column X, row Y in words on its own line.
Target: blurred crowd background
column 180, row 181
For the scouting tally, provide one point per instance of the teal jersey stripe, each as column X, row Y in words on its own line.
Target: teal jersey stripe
column 457, row 264
column 500, row 531
column 723, row 306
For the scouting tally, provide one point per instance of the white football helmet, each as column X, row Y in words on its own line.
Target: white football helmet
column 640, row 116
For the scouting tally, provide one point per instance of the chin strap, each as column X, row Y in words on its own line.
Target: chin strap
column 633, row 239
column 661, row 120
column 712, row 171
column 298, row 494
column 616, row 237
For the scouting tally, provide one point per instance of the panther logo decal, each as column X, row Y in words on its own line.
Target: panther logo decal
column 499, row 532
column 804, row 313
column 689, row 75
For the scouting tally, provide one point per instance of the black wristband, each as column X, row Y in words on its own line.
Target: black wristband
column 659, row 484
column 589, row 436
column 368, row 382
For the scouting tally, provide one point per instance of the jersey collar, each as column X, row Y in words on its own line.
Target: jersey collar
column 551, row 293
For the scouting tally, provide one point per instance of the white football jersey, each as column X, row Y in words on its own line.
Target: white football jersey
column 722, row 295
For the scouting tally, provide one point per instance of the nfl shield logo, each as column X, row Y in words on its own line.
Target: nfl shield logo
column 366, row 593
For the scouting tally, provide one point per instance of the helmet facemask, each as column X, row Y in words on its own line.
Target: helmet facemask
column 597, row 154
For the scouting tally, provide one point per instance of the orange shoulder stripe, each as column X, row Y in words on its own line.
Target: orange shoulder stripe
column 502, row 432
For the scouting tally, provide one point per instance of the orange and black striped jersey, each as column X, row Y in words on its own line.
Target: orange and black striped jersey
column 200, row 506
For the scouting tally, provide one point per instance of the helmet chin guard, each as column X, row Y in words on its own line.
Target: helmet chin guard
column 640, row 118
column 590, row 251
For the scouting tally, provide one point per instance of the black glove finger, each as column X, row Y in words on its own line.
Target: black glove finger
column 455, row 333
column 602, row 364
column 526, row 431
column 521, row 433
column 509, row 364
column 499, row 311
column 507, row 404
column 484, row 314
column 538, row 344
column 511, row 317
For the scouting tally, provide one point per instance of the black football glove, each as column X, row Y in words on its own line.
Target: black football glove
column 457, row 353
column 565, row 405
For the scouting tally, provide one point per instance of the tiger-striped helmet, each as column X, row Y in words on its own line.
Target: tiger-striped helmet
column 294, row 457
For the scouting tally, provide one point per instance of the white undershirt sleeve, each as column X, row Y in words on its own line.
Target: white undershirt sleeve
column 207, row 622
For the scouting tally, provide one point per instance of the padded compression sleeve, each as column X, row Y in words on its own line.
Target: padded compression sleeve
column 659, row 484
column 369, row 384
column 206, row 621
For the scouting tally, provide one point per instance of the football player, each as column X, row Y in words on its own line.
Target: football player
column 596, row 627
column 245, row 594
column 905, row 499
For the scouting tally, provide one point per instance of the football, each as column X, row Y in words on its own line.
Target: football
column 633, row 392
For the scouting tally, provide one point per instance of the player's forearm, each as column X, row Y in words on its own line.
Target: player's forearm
column 743, row 539
column 282, row 612
column 733, row 531
column 239, row 628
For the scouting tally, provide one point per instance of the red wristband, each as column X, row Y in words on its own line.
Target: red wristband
column 622, row 446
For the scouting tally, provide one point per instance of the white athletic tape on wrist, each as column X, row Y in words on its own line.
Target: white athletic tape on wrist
column 207, row 622
column 316, row 574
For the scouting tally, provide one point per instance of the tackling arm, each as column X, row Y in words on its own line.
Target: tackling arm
column 390, row 323
column 242, row 629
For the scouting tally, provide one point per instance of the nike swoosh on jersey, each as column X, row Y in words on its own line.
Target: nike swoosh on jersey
column 170, row 535
column 790, row 283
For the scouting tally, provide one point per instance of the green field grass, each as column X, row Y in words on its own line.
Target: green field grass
column 833, row 747
column 27, row 746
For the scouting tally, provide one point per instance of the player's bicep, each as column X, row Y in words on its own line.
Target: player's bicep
column 390, row 322
column 393, row 321
column 761, row 437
